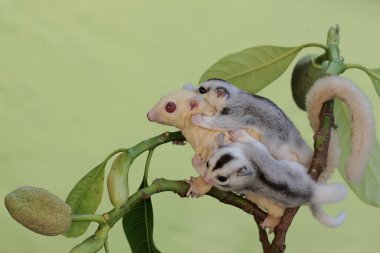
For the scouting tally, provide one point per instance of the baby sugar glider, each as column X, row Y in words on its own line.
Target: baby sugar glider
column 247, row 167
column 176, row 109
column 237, row 109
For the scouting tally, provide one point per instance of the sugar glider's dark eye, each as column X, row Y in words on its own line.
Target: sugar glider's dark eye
column 202, row 90
column 207, row 165
column 170, row 107
column 221, row 178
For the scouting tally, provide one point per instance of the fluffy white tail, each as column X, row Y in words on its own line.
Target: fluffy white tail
column 363, row 122
column 328, row 194
column 326, row 219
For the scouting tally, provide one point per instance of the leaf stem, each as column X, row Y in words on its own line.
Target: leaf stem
column 154, row 142
column 89, row 217
column 149, row 157
column 356, row 66
column 106, row 246
column 361, row 67
column 314, row 45
column 148, row 144
column 114, row 153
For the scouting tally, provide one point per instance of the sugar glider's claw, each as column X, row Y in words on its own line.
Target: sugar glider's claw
column 270, row 222
column 238, row 135
column 178, row 142
column 188, row 193
column 198, row 187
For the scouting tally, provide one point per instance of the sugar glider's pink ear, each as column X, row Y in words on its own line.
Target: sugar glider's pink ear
column 243, row 171
column 221, row 92
column 194, row 102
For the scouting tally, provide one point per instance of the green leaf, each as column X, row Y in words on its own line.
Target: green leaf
column 138, row 223
column 91, row 245
column 138, row 226
column 368, row 189
column 85, row 198
column 374, row 74
column 254, row 68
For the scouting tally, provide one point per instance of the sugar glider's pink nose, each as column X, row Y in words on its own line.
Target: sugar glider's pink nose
column 150, row 116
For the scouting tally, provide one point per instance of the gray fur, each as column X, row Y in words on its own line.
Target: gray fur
column 241, row 110
column 255, row 171
column 285, row 182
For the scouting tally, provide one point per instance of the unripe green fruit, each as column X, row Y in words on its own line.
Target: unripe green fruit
column 117, row 181
column 307, row 70
column 39, row 210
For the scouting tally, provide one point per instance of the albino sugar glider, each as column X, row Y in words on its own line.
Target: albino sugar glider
column 176, row 109
column 248, row 168
column 237, row 109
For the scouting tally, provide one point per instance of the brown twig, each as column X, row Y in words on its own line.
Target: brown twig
column 321, row 145
column 263, row 236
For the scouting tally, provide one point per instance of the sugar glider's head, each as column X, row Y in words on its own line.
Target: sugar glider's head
column 228, row 168
column 176, row 107
column 216, row 92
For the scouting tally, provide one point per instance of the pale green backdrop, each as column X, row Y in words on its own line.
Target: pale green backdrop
column 77, row 78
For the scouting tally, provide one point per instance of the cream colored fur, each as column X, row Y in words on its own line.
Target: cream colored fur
column 202, row 140
column 362, row 125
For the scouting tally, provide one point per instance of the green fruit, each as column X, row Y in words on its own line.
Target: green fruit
column 307, row 70
column 117, row 181
column 39, row 210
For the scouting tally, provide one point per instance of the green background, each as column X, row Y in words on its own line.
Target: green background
column 78, row 77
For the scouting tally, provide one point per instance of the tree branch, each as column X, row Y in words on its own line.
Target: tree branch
column 319, row 161
column 181, row 187
column 321, row 138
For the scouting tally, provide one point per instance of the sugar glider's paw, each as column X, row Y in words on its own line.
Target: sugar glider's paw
column 205, row 122
column 178, row 142
column 238, row 135
column 198, row 187
column 270, row 222
column 254, row 133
